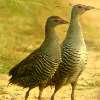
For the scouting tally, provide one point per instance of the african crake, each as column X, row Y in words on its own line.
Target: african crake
column 74, row 53
column 40, row 66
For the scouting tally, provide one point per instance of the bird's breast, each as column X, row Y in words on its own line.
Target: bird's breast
column 74, row 57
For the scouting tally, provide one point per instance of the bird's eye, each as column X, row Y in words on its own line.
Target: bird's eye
column 56, row 20
column 79, row 6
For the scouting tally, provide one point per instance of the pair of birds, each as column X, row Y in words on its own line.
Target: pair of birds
column 52, row 63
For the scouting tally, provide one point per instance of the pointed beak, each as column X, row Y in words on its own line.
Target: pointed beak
column 89, row 8
column 61, row 21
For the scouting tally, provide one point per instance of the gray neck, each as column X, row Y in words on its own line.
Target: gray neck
column 74, row 33
column 50, row 33
column 51, row 46
column 51, row 40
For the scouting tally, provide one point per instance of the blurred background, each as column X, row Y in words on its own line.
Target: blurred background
column 22, row 30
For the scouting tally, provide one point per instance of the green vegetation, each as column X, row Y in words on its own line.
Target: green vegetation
column 22, row 27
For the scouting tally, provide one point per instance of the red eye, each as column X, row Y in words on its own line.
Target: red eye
column 79, row 6
column 56, row 20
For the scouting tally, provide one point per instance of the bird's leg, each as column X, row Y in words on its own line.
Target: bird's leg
column 53, row 95
column 73, row 84
column 27, row 93
column 40, row 92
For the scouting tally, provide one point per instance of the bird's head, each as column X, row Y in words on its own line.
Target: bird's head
column 80, row 9
column 55, row 20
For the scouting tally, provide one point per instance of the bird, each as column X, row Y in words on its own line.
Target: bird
column 73, row 52
column 39, row 67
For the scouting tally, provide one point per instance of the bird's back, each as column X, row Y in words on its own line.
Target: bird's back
column 36, row 68
column 39, row 66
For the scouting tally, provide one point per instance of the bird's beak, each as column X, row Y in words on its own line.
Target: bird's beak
column 89, row 8
column 61, row 21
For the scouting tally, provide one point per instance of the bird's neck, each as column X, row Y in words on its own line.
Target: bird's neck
column 50, row 32
column 51, row 39
column 51, row 45
column 74, row 33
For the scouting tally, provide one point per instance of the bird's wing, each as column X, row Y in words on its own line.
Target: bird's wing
column 26, row 65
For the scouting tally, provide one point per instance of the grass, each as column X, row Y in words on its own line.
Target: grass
column 22, row 27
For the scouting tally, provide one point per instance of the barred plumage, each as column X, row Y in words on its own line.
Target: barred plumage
column 74, row 53
column 40, row 66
